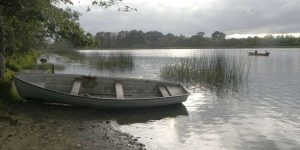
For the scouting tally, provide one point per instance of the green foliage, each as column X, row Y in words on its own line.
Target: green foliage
column 17, row 62
column 29, row 24
column 217, row 35
column 25, row 60
column 8, row 74
column 8, row 93
column 43, row 66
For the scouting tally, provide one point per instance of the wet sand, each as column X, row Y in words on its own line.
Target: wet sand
column 39, row 126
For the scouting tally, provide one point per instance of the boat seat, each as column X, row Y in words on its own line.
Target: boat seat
column 119, row 90
column 76, row 87
column 164, row 92
column 175, row 90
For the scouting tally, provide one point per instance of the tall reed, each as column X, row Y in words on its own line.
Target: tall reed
column 111, row 60
column 217, row 70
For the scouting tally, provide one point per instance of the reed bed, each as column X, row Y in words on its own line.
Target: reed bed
column 111, row 60
column 216, row 70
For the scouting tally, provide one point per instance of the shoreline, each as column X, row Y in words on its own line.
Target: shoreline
column 210, row 48
column 40, row 126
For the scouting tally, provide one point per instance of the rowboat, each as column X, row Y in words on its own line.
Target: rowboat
column 105, row 92
column 259, row 54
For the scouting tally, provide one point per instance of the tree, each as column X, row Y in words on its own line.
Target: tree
column 200, row 34
column 153, row 36
column 135, row 38
column 2, row 51
column 217, row 35
column 28, row 24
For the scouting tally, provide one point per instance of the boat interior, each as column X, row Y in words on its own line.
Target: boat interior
column 105, row 87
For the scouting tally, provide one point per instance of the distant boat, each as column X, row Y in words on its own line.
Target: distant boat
column 43, row 60
column 106, row 92
column 258, row 54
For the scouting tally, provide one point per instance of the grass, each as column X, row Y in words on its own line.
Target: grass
column 15, row 63
column 105, row 60
column 217, row 71
column 102, row 60
column 111, row 60
column 26, row 60
column 19, row 61
column 8, row 92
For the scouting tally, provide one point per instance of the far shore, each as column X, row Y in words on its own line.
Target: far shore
column 161, row 48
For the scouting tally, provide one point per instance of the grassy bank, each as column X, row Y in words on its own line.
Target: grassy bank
column 15, row 63
column 25, row 61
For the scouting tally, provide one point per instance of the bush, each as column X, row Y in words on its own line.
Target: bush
column 8, row 93
column 14, row 63
column 19, row 61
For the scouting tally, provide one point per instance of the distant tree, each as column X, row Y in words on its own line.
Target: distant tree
column 268, row 40
column 121, row 39
column 135, row 38
column 155, row 39
column 154, row 36
column 217, row 35
column 197, row 40
column 168, row 40
column 200, row 34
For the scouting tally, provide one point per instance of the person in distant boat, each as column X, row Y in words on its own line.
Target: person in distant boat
column 255, row 52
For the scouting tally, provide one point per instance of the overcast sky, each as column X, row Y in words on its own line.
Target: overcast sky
column 188, row 17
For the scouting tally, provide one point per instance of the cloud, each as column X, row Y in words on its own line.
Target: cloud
column 191, row 16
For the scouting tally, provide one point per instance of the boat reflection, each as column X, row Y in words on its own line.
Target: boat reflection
column 142, row 115
column 121, row 116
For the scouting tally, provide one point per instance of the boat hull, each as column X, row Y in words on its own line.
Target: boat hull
column 33, row 92
column 258, row 54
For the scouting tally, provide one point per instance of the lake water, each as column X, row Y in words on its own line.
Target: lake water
column 264, row 113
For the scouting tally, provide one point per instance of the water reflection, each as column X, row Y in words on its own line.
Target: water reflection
column 263, row 113
column 143, row 115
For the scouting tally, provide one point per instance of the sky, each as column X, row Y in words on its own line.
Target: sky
column 236, row 18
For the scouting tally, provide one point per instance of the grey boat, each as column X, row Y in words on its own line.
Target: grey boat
column 258, row 54
column 105, row 92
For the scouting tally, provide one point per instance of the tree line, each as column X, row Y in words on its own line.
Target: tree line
column 156, row 39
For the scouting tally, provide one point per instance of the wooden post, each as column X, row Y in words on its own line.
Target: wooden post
column 52, row 68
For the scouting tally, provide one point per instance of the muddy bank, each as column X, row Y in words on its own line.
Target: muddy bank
column 39, row 126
